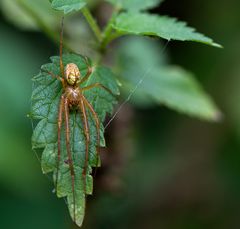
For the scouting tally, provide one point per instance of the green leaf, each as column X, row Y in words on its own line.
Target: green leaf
column 68, row 5
column 172, row 86
column 26, row 20
column 135, row 5
column 21, row 19
column 45, row 102
column 161, row 26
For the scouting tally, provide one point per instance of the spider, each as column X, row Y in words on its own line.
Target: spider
column 73, row 98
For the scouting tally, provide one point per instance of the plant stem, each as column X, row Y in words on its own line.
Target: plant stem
column 93, row 24
column 107, row 33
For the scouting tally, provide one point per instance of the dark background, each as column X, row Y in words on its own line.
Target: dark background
column 162, row 169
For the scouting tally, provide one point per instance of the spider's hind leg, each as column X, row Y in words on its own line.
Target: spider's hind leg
column 87, row 138
column 60, row 111
column 70, row 160
column 97, row 123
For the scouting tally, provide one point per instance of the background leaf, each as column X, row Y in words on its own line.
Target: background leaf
column 135, row 5
column 172, row 86
column 161, row 26
column 68, row 5
column 45, row 102
column 26, row 13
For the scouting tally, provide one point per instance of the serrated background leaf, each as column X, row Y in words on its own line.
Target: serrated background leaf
column 171, row 86
column 68, row 5
column 135, row 5
column 45, row 101
column 161, row 26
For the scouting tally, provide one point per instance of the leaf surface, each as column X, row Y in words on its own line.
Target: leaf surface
column 68, row 5
column 161, row 26
column 135, row 5
column 45, row 102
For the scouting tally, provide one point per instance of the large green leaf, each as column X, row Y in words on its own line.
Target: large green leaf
column 27, row 13
column 135, row 5
column 45, row 101
column 68, row 5
column 21, row 19
column 161, row 26
column 140, row 59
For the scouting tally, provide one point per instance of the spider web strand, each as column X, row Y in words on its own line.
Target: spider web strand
column 132, row 92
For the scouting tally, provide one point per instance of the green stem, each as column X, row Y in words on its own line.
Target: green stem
column 107, row 33
column 93, row 24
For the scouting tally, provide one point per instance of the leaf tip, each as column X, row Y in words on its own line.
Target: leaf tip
column 218, row 116
column 216, row 45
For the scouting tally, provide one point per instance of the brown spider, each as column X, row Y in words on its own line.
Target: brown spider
column 73, row 98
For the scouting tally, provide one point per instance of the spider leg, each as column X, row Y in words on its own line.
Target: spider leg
column 89, row 72
column 98, row 85
column 61, row 49
column 87, row 138
column 97, row 123
column 55, row 76
column 70, row 160
column 61, row 106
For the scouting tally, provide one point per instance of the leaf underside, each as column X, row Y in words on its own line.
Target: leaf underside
column 45, row 102
column 163, row 84
column 161, row 26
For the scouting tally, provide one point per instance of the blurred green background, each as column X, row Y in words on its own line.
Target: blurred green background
column 161, row 169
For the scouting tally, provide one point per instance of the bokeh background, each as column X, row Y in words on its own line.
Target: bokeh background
column 161, row 169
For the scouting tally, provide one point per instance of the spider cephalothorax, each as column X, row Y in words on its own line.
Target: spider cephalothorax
column 72, row 74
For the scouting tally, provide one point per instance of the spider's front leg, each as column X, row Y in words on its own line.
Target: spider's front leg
column 99, row 86
column 55, row 76
column 89, row 72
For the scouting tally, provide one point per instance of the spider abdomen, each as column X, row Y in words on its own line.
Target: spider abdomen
column 73, row 95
